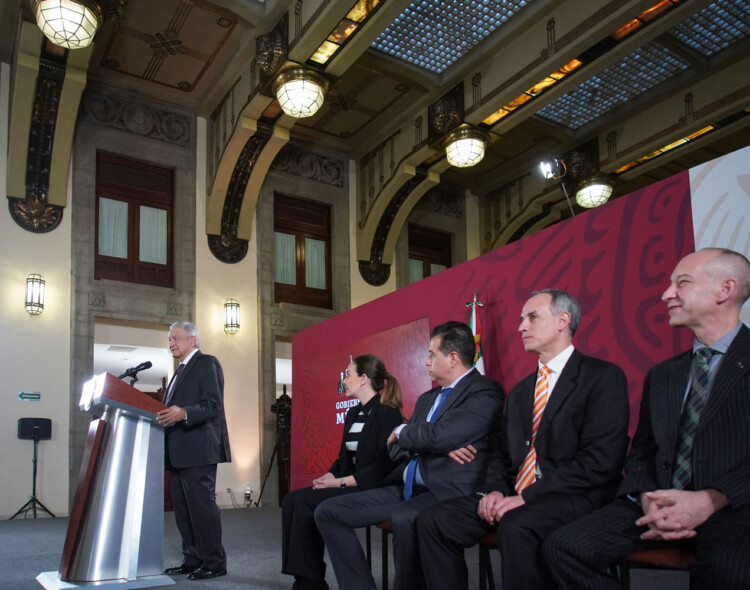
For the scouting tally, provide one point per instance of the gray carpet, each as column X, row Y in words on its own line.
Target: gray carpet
column 252, row 539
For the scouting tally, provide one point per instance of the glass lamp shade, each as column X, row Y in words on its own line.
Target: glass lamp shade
column 231, row 316
column 300, row 92
column 594, row 191
column 68, row 23
column 34, row 303
column 465, row 146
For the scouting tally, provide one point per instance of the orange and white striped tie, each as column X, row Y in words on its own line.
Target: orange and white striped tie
column 527, row 472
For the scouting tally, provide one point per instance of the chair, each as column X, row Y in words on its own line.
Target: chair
column 486, row 577
column 385, row 526
column 676, row 558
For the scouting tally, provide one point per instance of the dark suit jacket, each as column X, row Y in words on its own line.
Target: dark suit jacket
column 468, row 416
column 373, row 462
column 582, row 437
column 721, row 449
column 203, row 439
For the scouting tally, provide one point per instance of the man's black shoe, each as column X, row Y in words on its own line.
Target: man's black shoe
column 204, row 573
column 180, row 570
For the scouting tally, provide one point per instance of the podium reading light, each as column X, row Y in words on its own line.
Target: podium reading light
column 34, row 303
column 231, row 316
column 69, row 23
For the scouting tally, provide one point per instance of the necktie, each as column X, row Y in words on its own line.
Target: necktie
column 527, row 472
column 170, row 389
column 411, row 468
column 682, row 475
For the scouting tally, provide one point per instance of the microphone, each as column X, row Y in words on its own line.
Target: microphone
column 342, row 385
column 133, row 371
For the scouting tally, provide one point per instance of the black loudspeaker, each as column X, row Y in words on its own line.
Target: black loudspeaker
column 34, row 428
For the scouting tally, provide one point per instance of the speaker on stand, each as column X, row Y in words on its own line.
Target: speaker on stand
column 35, row 429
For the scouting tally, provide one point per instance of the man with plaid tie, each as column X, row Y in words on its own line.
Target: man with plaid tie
column 559, row 455
column 687, row 476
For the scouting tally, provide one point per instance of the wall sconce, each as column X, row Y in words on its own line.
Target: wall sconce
column 594, row 191
column 231, row 316
column 34, row 303
column 300, row 91
column 68, row 23
column 465, row 146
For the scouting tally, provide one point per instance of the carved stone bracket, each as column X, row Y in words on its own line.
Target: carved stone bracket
column 34, row 213
column 445, row 114
column 374, row 271
column 228, row 247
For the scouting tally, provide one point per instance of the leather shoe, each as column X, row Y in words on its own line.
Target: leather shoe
column 205, row 573
column 180, row 570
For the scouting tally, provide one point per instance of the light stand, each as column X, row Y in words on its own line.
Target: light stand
column 283, row 410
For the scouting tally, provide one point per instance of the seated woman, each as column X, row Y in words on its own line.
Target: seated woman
column 363, row 461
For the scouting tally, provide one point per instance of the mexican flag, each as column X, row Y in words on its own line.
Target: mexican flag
column 476, row 329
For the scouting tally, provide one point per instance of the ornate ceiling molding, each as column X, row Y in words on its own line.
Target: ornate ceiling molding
column 127, row 114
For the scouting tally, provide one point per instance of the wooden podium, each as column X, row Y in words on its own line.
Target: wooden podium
column 116, row 531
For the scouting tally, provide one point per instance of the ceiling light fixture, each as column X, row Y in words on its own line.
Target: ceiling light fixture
column 465, row 146
column 231, row 316
column 300, row 91
column 69, row 23
column 594, row 191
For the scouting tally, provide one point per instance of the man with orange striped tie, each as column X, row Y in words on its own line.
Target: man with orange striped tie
column 559, row 456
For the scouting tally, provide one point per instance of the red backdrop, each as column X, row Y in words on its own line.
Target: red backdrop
column 616, row 260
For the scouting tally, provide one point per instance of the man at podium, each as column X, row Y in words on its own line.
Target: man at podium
column 195, row 441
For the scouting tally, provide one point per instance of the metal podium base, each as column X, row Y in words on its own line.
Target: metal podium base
column 52, row 581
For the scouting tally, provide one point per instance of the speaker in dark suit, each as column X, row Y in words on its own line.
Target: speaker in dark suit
column 559, row 455
column 195, row 441
column 687, row 476
column 463, row 410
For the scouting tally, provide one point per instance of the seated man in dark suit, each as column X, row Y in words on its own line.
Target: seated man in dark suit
column 687, row 475
column 559, row 455
column 461, row 411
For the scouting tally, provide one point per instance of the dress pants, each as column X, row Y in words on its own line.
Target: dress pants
column 581, row 554
column 302, row 546
column 446, row 529
column 338, row 517
column 198, row 517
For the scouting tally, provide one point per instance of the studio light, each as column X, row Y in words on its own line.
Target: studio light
column 465, row 146
column 231, row 316
column 594, row 191
column 300, row 91
column 34, row 303
column 68, row 23
column 554, row 168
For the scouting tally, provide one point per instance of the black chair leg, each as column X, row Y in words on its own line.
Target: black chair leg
column 368, row 546
column 384, row 580
column 486, row 577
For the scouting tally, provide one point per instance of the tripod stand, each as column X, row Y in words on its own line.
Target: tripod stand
column 33, row 502
column 278, row 447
